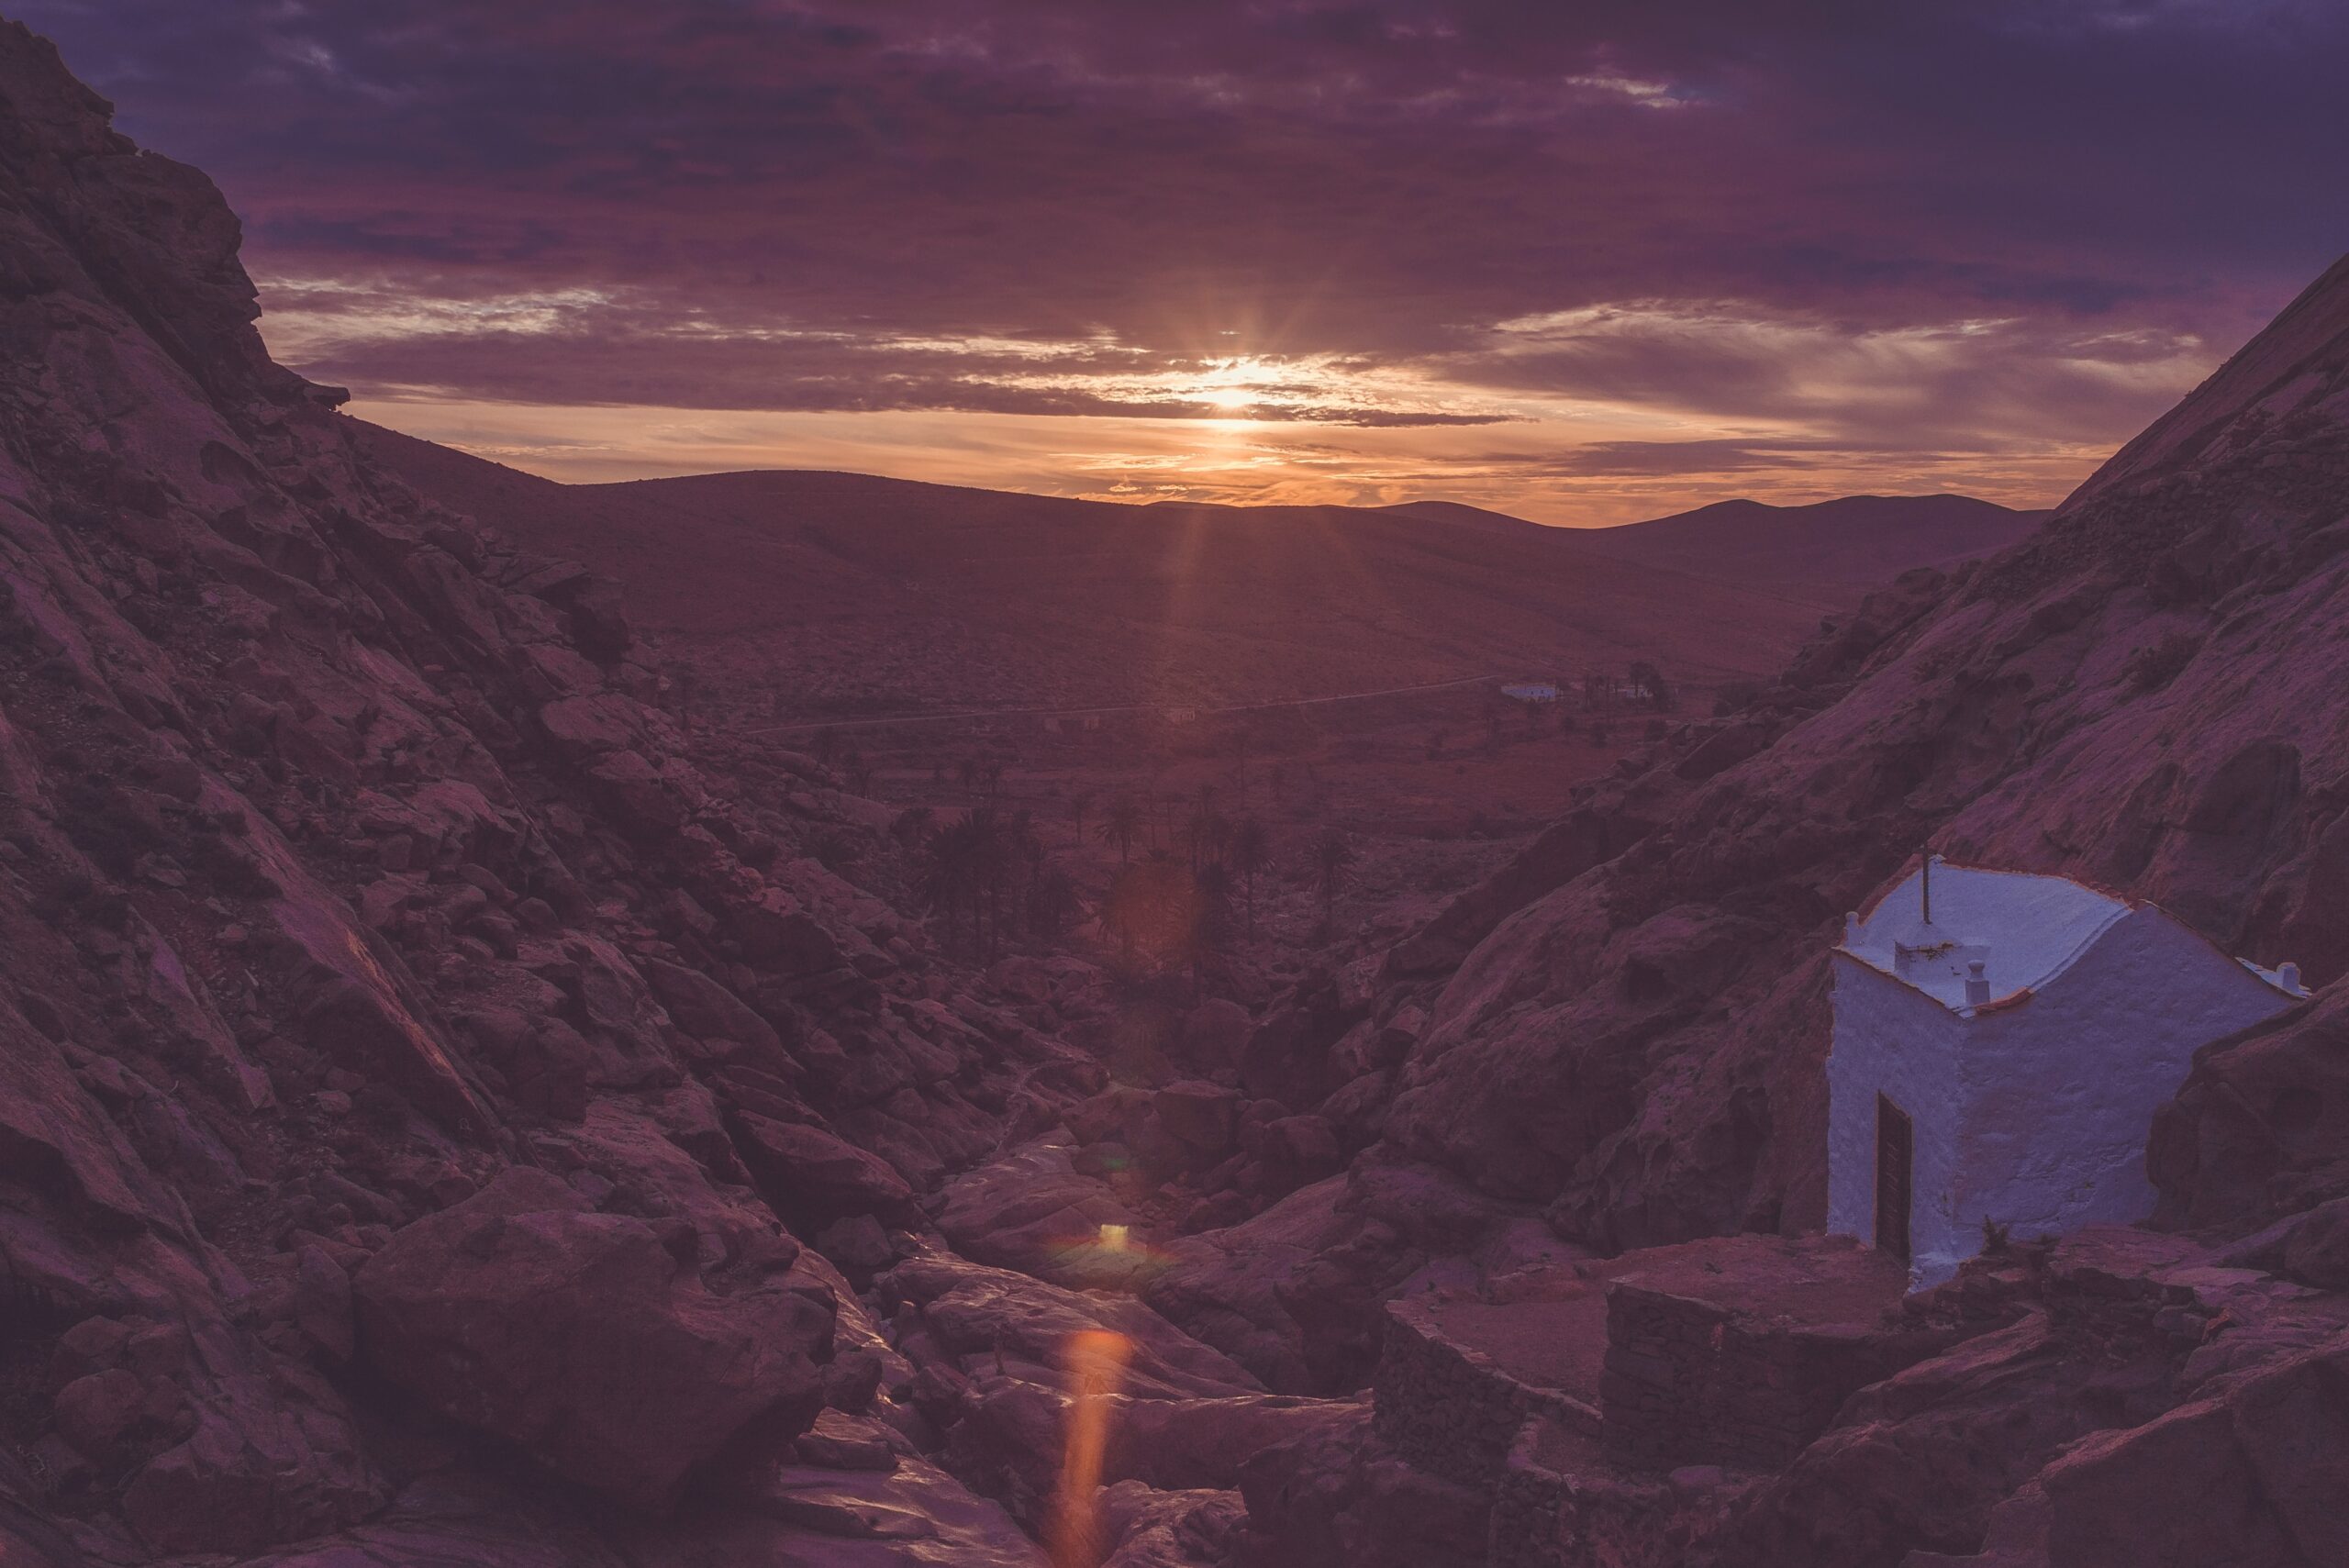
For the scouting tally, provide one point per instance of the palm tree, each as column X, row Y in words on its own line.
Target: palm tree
column 1122, row 913
column 990, row 856
column 1215, row 833
column 1052, row 904
column 1250, row 853
column 1078, row 804
column 1208, row 830
column 944, row 876
column 1121, row 824
column 966, row 773
column 1648, row 679
column 1333, row 855
column 860, row 773
column 1210, row 933
column 966, row 866
column 1023, row 857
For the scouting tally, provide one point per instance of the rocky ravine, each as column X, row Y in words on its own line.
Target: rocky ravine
column 449, row 1115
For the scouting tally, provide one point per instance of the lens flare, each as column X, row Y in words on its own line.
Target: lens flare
column 1096, row 1366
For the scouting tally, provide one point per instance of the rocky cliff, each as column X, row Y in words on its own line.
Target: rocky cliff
column 420, row 1077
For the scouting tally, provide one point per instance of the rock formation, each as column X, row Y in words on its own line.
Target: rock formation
column 414, row 1063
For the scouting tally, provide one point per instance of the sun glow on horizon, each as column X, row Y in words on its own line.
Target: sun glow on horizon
column 1559, row 418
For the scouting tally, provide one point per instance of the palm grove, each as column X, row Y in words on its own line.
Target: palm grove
column 1182, row 897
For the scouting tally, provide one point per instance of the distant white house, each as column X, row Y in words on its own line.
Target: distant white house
column 1531, row 690
column 2001, row 1042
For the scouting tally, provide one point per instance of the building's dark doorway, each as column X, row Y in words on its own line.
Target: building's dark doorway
column 1896, row 1154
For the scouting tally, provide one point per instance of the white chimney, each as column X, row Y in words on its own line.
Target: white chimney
column 1977, row 985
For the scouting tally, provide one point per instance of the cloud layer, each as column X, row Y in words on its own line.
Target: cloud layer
column 1583, row 261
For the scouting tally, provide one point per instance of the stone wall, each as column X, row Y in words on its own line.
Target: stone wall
column 1548, row 1513
column 1691, row 1381
column 1450, row 1409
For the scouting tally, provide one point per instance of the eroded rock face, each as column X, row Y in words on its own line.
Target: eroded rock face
column 2260, row 1131
column 348, row 861
column 2268, row 1460
column 1334, row 1498
column 582, row 1339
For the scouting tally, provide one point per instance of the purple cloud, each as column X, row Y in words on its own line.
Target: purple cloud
column 2041, row 218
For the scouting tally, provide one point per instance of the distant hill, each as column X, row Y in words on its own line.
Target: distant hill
column 842, row 590
column 1858, row 541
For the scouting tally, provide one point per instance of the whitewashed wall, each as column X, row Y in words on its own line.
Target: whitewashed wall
column 1893, row 1039
column 2061, row 1091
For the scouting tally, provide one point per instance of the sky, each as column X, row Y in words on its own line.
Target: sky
column 1582, row 261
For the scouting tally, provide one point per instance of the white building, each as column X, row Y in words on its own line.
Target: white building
column 2001, row 1043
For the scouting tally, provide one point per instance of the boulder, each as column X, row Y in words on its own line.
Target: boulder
column 1036, row 1211
column 774, row 930
column 322, row 1309
column 1204, row 1115
column 93, row 1412
column 705, row 1009
column 813, row 1177
column 983, row 1320
column 1215, row 1033
column 1146, row 1528
column 1331, row 1497
column 577, row 1337
column 640, row 795
column 2317, row 1252
column 1296, row 1150
column 1287, row 1060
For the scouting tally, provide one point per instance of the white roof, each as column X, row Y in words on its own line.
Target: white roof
column 2033, row 927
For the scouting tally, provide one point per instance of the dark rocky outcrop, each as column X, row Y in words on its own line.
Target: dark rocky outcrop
column 417, row 1047
column 583, row 1338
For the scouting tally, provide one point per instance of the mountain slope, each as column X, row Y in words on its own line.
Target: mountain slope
column 903, row 595
column 1864, row 541
column 1856, row 541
